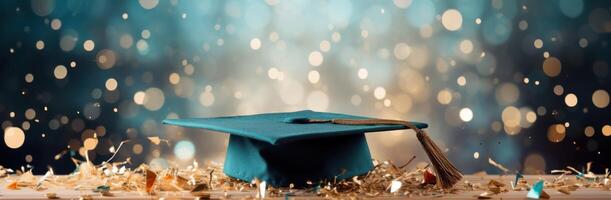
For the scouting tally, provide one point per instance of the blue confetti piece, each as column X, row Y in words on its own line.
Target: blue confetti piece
column 535, row 191
column 102, row 188
column 518, row 177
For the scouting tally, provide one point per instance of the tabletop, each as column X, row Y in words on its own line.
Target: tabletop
column 580, row 193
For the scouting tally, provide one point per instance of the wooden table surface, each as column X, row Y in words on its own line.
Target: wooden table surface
column 581, row 193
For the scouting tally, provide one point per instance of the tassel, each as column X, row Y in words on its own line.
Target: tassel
column 447, row 173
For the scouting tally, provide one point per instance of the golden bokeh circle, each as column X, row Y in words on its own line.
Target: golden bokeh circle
column 600, row 98
column 14, row 137
column 552, row 67
column 556, row 133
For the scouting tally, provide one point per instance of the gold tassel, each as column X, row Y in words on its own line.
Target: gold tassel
column 447, row 173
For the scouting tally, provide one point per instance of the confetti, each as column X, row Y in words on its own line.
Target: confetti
column 156, row 140
column 86, row 197
column 51, row 195
column 564, row 190
column 262, row 189
column 484, row 195
column 497, row 165
column 535, row 191
column 102, row 188
column 150, row 181
column 429, row 178
column 395, row 186
column 518, row 177
column 12, row 186
column 385, row 179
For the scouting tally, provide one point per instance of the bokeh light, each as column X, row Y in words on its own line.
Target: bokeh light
column 184, row 150
column 495, row 74
column 14, row 137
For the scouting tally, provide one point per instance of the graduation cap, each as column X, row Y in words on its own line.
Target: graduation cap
column 296, row 147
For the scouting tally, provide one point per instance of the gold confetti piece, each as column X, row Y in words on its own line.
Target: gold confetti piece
column 573, row 169
column 573, row 187
column 51, row 195
column 12, row 186
column 485, row 195
column 156, row 140
column 495, row 190
column 107, row 194
column 86, row 197
column 544, row 195
column 564, row 190
column 150, row 181
column 202, row 180
column 555, row 171
column 429, row 178
column 497, row 165
column 496, row 183
column 200, row 187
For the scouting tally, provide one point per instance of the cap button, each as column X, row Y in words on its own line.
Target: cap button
column 296, row 120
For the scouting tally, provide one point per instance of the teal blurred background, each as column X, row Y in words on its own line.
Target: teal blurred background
column 522, row 82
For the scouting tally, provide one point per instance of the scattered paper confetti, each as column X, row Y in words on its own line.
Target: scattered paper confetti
column 564, row 190
column 12, row 186
column 535, row 191
column 518, row 177
column 497, row 165
column 150, row 180
column 262, row 189
column 429, row 178
column 395, row 186
column 156, row 140
column 51, row 195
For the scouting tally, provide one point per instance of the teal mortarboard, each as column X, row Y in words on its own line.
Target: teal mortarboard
column 296, row 147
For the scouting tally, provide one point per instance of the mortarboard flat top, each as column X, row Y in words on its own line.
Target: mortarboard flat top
column 277, row 148
column 276, row 128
